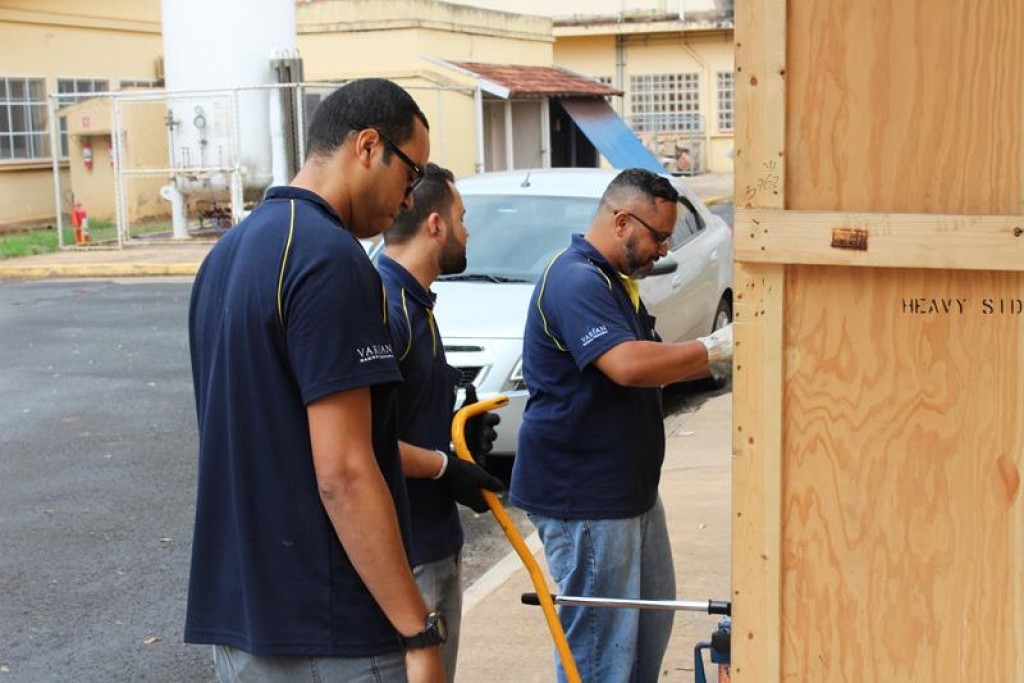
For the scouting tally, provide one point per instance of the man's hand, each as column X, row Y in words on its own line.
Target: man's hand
column 464, row 481
column 719, row 345
column 479, row 433
column 424, row 665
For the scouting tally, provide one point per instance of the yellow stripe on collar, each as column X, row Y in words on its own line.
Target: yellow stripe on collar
column 632, row 289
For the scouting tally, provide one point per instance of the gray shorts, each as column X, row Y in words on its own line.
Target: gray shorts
column 238, row 666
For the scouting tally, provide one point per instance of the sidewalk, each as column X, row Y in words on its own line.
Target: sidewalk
column 711, row 187
column 164, row 258
column 504, row 641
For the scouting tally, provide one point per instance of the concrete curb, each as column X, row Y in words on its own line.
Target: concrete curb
column 96, row 270
column 496, row 576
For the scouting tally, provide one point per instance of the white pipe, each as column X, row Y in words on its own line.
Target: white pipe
column 509, row 141
column 55, row 158
column 545, row 132
column 705, row 99
column 278, row 150
column 179, row 220
column 478, row 101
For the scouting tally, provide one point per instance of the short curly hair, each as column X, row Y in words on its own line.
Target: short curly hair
column 639, row 181
column 364, row 103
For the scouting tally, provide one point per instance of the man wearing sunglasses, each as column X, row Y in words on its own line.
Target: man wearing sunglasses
column 300, row 565
column 592, row 439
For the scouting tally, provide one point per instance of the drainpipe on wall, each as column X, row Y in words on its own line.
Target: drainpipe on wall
column 706, row 146
column 478, row 101
column 620, row 73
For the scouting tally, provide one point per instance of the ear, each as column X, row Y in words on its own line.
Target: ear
column 619, row 222
column 363, row 145
column 435, row 226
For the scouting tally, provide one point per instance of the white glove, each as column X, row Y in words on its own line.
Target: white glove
column 719, row 345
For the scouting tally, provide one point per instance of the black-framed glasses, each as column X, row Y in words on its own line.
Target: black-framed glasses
column 417, row 170
column 660, row 238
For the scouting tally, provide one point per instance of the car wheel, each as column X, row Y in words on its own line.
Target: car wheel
column 723, row 314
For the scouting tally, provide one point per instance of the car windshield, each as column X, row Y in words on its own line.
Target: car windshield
column 513, row 237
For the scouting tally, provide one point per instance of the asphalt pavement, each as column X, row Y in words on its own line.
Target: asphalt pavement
column 97, row 465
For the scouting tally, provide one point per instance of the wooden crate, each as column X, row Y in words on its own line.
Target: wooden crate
column 878, row 529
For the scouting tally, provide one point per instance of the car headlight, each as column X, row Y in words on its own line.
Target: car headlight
column 515, row 378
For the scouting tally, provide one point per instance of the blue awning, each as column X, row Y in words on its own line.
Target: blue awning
column 609, row 134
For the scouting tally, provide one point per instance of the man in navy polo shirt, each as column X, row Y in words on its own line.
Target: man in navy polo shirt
column 592, row 439
column 428, row 241
column 299, row 565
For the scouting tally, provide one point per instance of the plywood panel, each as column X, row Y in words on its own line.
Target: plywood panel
column 908, row 106
column 903, row 526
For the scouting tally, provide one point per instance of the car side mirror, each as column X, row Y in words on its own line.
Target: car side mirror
column 664, row 266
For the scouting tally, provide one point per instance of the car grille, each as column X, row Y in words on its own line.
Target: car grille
column 463, row 349
column 467, row 375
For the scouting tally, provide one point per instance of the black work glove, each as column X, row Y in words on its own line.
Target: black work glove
column 479, row 432
column 465, row 479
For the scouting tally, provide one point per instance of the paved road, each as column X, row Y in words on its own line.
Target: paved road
column 97, row 475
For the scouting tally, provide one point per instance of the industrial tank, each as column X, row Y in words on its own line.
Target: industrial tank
column 222, row 45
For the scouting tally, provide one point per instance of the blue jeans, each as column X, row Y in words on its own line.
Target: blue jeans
column 441, row 586
column 612, row 558
column 237, row 666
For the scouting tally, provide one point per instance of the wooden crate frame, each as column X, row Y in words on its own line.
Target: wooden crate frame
column 769, row 239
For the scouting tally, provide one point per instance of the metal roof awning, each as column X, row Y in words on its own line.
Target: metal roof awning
column 610, row 134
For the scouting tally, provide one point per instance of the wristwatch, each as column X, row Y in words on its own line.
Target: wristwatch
column 434, row 633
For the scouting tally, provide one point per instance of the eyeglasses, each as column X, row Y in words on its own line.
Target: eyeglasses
column 659, row 237
column 417, row 171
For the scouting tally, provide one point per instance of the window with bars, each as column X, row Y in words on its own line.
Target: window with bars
column 665, row 102
column 71, row 91
column 725, row 101
column 23, row 132
column 127, row 83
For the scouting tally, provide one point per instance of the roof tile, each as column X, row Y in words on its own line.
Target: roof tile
column 551, row 81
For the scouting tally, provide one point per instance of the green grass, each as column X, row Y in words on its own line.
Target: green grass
column 100, row 232
column 27, row 243
column 44, row 240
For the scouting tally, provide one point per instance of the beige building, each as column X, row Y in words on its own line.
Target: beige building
column 483, row 77
column 66, row 48
column 415, row 42
column 502, row 90
column 673, row 61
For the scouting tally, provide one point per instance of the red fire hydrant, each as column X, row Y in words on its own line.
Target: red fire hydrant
column 80, row 223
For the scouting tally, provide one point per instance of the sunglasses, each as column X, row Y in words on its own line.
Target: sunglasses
column 659, row 237
column 417, row 170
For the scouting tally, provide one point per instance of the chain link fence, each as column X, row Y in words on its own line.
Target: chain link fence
column 152, row 166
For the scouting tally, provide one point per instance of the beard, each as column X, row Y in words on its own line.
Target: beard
column 453, row 256
column 635, row 267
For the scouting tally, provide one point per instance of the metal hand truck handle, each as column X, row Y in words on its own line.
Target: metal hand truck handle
column 550, row 616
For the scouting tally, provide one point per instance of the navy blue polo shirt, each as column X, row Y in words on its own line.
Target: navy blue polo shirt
column 588, row 448
column 285, row 309
column 426, row 400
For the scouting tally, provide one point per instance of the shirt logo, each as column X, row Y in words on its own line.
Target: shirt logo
column 374, row 352
column 593, row 333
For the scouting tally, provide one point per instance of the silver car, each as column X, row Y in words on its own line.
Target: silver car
column 517, row 222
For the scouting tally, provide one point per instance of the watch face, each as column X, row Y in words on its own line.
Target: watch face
column 436, row 623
